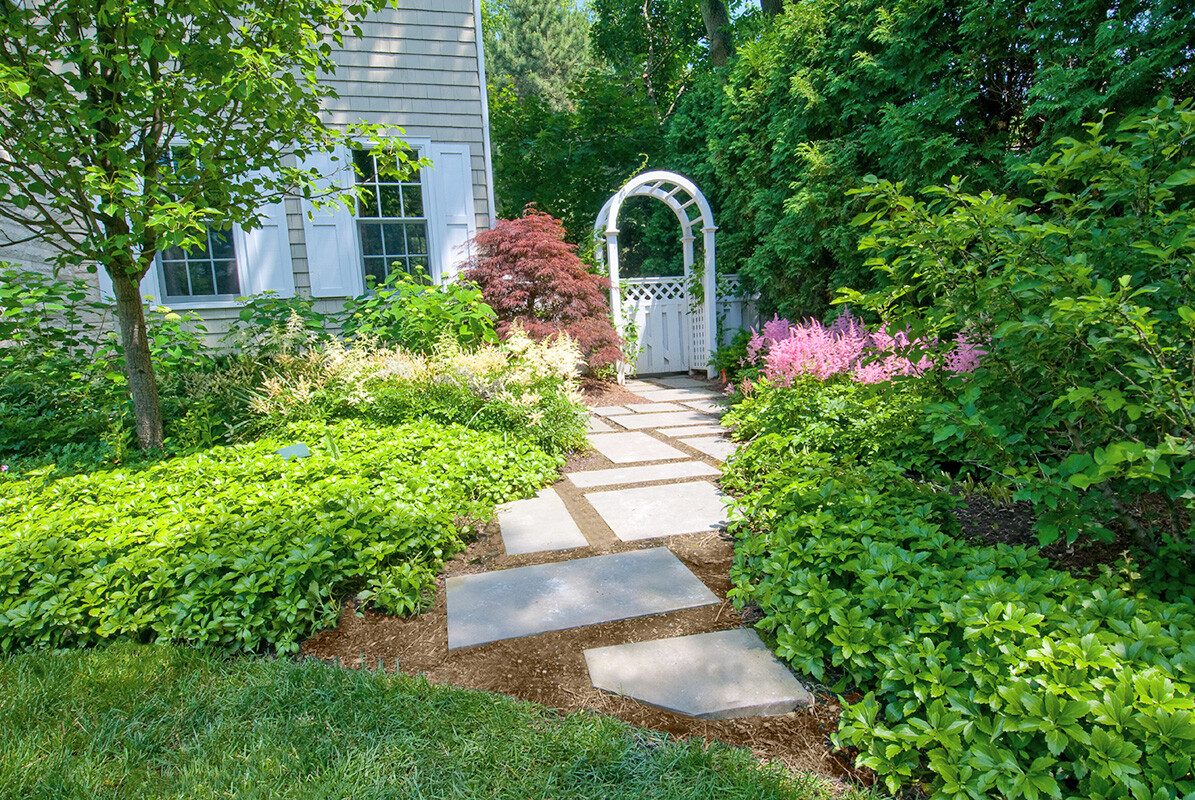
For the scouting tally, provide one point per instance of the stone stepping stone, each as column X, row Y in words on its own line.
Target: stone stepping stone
column 681, row 382
column 713, row 446
column 647, row 408
column 632, row 446
column 706, row 407
column 647, row 512
column 651, row 472
column 597, row 426
column 611, row 411
column 569, row 594
column 672, row 395
column 720, row 675
column 696, row 430
column 667, row 419
column 637, row 386
column 539, row 523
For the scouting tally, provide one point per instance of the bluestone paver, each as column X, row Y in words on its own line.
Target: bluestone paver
column 707, row 407
column 568, row 594
column 714, row 446
column 650, row 472
column 719, row 675
column 298, row 450
column 696, row 430
column 539, row 523
column 631, row 446
column 646, row 512
column 611, row 411
column 647, row 408
column 597, row 426
column 664, row 419
column 674, row 395
column 681, row 382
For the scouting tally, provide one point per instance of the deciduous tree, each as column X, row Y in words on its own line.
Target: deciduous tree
column 130, row 126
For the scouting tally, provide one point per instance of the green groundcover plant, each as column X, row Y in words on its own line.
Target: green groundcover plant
column 168, row 722
column 237, row 547
column 985, row 673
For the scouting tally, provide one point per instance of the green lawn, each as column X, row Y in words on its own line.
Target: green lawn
column 150, row 721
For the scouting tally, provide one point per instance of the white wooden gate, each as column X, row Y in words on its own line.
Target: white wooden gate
column 668, row 323
column 659, row 309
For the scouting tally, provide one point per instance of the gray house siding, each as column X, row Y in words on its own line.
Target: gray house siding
column 418, row 67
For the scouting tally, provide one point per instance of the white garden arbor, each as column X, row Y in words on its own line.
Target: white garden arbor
column 676, row 333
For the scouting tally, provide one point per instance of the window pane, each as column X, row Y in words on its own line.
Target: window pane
column 175, row 273
column 174, row 254
column 227, row 281
column 200, row 250
column 371, row 238
column 201, row 277
column 396, row 244
column 412, row 197
column 391, row 200
column 417, row 238
column 377, row 268
column 367, row 205
column 221, row 244
column 420, row 269
column 363, row 161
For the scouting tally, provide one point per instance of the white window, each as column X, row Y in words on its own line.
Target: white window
column 208, row 269
column 391, row 219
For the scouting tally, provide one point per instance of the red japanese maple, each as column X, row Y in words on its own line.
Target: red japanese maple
column 531, row 276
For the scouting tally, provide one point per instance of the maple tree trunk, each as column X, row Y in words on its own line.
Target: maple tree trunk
column 143, row 385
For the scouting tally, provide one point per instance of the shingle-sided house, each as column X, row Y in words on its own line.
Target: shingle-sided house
column 418, row 66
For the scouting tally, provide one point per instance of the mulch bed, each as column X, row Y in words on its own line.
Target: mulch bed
column 549, row 668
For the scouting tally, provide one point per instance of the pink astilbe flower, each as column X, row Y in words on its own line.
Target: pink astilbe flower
column 787, row 352
column 965, row 356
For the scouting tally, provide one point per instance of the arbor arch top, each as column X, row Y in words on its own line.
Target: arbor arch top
column 693, row 213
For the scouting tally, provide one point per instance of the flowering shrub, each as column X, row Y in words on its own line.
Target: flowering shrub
column 787, row 351
column 520, row 386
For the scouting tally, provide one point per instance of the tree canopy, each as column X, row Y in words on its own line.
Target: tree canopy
column 129, row 126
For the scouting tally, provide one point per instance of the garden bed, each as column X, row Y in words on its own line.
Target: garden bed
column 549, row 669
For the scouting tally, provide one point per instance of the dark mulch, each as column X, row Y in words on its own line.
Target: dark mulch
column 987, row 522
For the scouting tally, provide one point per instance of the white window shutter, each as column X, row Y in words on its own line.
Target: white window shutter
column 453, row 222
column 149, row 286
column 267, row 265
column 333, row 259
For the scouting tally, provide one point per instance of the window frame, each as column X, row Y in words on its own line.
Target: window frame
column 421, row 148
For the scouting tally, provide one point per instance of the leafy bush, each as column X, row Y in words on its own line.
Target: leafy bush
column 239, row 548
column 1083, row 295
column 534, row 280
column 850, row 420
column 985, row 672
column 404, row 313
column 521, row 387
column 269, row 325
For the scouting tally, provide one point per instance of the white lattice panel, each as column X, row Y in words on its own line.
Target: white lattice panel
column 639, row 289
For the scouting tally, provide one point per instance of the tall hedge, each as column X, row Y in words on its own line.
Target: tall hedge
column 920, row 91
